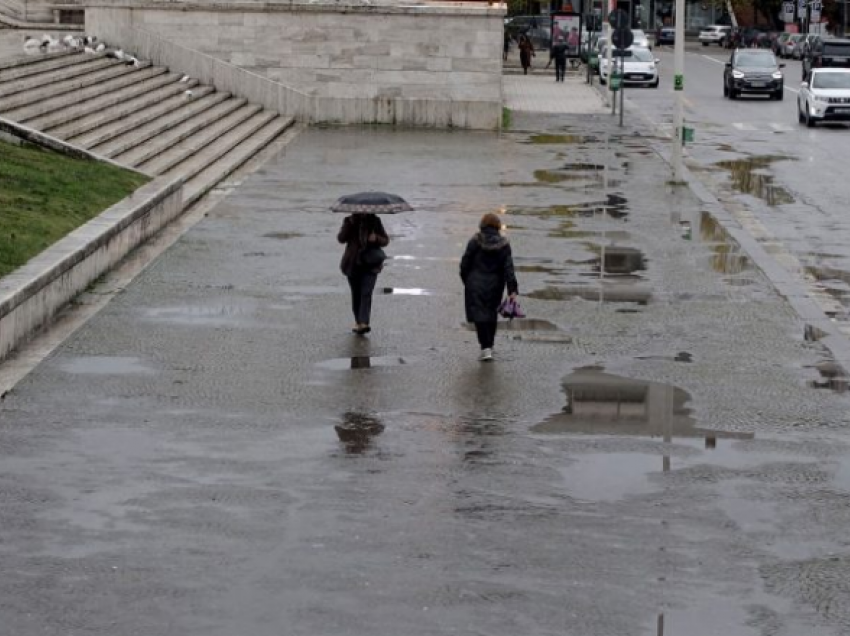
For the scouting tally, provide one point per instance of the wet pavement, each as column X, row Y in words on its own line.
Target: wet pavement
column 654, row 450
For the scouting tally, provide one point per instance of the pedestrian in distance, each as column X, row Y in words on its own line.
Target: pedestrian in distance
column 363, row 259
column 558, row 53
column 486, row 268
column 526, row 52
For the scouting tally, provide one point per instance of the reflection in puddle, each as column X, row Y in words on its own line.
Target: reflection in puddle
column 746, row 178
column 832, row 377
column 622, row 260
column 614, row 205
column 682, row 356
column 361, row 362
column 546, row 138
column 600, row 404
column 727, row 256
column 357, row 430
column 407, row 291
column 283, row 236
column 226, row 313
column 613, row 293
column 104, row 365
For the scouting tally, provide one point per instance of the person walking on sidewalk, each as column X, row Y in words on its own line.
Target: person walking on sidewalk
column 558, row 53
column 526, row 52
column 487, row 266
column 362, row 261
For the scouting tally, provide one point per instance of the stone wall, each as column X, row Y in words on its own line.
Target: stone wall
column 423, row 65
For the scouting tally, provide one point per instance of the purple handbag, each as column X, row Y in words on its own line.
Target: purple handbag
column 510, row 309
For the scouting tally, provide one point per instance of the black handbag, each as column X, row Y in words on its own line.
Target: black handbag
column 373, row 256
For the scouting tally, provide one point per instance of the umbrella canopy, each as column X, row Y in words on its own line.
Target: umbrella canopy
column 371, row 203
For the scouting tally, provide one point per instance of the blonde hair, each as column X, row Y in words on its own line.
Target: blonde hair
column 490, row 220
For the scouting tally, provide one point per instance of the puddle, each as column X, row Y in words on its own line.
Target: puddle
column 548, row 176
column 210, row 315
column 622, row 260
column 614, row 293
column 407, row 291
column 727, row 256
column 560, row 139
column 682, row 356
column 832, row 378
column 539, row 269
column 614, row 205
column 748, row 177
column 104, row 365
column 583, row 167
column 607, row 406
column 283, row 236
column 528, row 324
column 362, row 362
column 410, row 257
column 600, row 403
column 357, row 430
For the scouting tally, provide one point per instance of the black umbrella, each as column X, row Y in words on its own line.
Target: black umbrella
column 371, row 203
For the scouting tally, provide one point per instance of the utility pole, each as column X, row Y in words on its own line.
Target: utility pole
column 678, row 90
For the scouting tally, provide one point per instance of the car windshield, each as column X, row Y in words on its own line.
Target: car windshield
column 831, row 80
column 755, row 60
column 834, row 48
column 642, row 55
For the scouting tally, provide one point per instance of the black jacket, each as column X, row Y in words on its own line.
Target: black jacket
column 486, row 268
column 354, row 233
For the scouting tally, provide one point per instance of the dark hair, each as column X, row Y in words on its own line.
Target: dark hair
column 490, row 220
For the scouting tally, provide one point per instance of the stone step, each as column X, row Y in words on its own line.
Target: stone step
column 63, row 88
column 145, row 125
column 54, row 76
column 79, row 120
column 247, row 118
column 27, row 112
column 24, row 60
column 44, row 65
column 128, row 152
column 211, row 174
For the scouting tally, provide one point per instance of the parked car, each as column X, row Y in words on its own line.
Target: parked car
column 753, row 71
column 597, row 50
column 715, row 34
column 639, row 69
column 521, row 24
column 665, row 35
column 793, row 47
column 641, row 40
column 779, row 43
column 826, row 53
column 825, row 97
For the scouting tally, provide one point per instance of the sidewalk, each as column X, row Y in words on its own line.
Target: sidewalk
column 215, row 454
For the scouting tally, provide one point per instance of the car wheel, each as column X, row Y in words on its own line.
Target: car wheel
column 810, row 123
column 779, row 95
column 657, row 82
column 725, row 89
column 733, row 94
column 800, row 118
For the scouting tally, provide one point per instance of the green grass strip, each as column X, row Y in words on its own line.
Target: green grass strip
column 45, row 195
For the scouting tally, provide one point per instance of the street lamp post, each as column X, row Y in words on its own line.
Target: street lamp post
column 678, row 89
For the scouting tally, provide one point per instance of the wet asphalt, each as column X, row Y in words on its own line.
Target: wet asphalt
column 654, row 451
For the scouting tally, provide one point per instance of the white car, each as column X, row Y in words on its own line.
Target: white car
column 825, row 97
column 715, row 34
column 640, row 69
column 641, row 40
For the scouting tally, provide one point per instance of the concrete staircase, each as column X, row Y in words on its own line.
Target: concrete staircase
column 139, row 117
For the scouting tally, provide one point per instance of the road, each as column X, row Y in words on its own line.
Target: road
column 794, row 178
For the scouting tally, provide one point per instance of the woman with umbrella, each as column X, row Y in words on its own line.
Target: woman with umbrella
column 364, row 236
column 486, row 267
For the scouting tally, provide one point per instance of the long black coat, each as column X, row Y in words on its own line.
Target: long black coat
column 354, row 233
column 486, row 268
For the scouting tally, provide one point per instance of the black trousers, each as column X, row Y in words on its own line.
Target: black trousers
column 486, row 333
column 560, row 69
column 362, row 284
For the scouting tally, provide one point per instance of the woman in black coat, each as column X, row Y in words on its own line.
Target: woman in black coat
column 363, row 235
column 486, row 268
